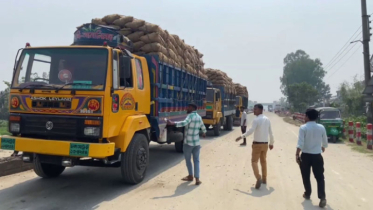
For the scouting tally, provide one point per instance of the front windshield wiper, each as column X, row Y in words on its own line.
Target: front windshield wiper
column 35, row 86
column 73, row 83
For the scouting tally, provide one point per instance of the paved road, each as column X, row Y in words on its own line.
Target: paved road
column 228, row 182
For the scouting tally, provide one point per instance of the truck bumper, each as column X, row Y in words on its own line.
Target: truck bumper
column 209, row 121
column 58, row 148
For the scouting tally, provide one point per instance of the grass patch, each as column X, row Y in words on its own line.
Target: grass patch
column 291, row 121
column 4, row 128
column 359, row 148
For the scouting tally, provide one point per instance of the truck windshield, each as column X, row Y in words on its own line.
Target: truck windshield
column 62, row 68
column 330, row 115
column 210, row 95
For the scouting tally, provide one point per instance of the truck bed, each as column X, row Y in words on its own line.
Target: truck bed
column 171, row 91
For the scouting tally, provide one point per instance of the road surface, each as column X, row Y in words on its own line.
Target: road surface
column 228, row 181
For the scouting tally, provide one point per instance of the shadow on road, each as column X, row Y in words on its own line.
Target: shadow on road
column 182, row 189
column 263, row 191
column 308, row 205
column 85, row 187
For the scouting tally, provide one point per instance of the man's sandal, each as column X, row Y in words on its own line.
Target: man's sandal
column 187, row 179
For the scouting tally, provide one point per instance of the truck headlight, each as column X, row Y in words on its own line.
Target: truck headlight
column 14, row 127
column 92, row 131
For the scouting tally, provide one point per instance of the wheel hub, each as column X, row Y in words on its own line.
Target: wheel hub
column 141, row 158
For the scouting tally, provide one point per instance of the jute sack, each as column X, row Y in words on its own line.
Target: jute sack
column 150, row 28
column 154, row 47
column 121, row 22
column 135, row 37
column 153, row 38
column 135, row 24
column 109, row 19
column 138, row 45
column 171, row 54
column 98, row 21
column 114, row 26
column 125, row 31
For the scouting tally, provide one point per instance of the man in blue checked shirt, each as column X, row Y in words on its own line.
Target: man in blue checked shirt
column 192, row 123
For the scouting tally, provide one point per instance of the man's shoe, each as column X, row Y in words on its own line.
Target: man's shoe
column 322, row 203
column 306, row 196
column 258, row 183
column 243, row 144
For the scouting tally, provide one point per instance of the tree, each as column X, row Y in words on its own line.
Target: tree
column 352, row 102
column 301, row 96
column 4, row 104
column 300, row 68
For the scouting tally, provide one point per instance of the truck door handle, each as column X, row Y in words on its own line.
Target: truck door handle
column 136, row 106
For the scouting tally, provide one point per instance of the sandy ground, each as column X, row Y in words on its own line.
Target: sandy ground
column 228, row 181
column 5, row 153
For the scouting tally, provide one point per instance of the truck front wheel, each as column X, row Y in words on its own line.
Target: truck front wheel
column 47, row 170
column 228, row 123
column 217, row 128
column 135, row 160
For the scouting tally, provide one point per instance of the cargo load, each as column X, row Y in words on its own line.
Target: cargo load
column 151, row 39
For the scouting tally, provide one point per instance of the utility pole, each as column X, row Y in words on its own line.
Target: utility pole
column 366, row 39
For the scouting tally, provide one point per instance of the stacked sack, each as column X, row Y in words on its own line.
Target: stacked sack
column 241, row 90
column 220, row 78
column 151, row 39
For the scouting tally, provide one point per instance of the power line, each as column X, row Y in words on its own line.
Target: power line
column 347, row 43
column 346, row 48
column 342, row 57
column 344, row 62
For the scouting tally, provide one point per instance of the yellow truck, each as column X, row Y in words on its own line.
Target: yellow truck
column 220, row 109
column 241, row 101
column 95, row 104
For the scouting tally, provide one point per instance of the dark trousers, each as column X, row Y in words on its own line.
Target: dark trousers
column 315, row 161
column 243, row 130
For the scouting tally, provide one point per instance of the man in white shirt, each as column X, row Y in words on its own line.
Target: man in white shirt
column 243, row 124
column 262, row 128
column 312, row 141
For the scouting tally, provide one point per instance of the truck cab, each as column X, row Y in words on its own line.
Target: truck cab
column 214, row 115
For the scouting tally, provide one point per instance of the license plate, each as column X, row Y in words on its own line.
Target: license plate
column 8, row 144
column 77, row 149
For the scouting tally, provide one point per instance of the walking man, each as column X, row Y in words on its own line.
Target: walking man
column 312, row 142
column 193, row 123
column 243, row 124
column 262, row 128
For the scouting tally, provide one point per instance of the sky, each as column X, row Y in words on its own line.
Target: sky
column 247, row 39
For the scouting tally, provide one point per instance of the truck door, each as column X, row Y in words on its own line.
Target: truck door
column 129, row 90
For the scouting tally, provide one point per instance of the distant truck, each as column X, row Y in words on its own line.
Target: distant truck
column 277, row 108
column 270, row 108
column 220, row 109
column 241, row 101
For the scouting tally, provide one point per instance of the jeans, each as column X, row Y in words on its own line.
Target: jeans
column 188, row 151
column 317, row 163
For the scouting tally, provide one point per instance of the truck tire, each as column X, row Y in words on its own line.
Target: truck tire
column 334, row 139
column 217, row 129
column 135, row 160
column 228, row 123
column 46, row 170
column 179, row 146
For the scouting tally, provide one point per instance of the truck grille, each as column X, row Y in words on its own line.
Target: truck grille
column 61, row 126
column 209, row 115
